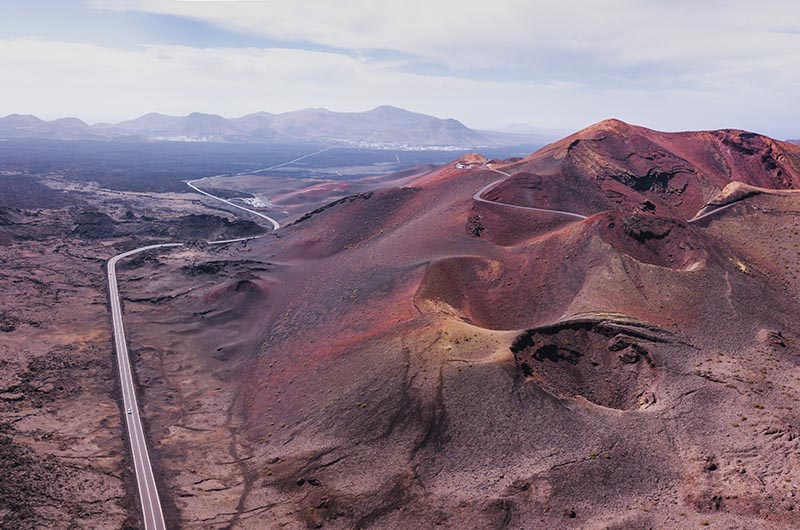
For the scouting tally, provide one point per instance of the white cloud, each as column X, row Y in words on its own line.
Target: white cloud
column 675, row 65
column 552, row 39
column 93, row 82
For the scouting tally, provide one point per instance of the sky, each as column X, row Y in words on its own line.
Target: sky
column 667, row 65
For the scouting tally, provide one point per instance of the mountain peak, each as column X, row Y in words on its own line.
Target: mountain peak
column 259, row 114
column 154, row 115
column 390, row 108
column 204, row 115
column 383, row 126
column 22, row 118
column 75, row 122
column 611, row 124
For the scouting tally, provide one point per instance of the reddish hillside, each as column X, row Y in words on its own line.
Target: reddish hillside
column 428, row 359
column 615, row 166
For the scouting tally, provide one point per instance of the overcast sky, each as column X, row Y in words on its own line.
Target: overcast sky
column 669, row 65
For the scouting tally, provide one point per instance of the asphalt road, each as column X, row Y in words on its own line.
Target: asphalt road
column 148, row 492
column 284, row 164
column 152, row 512
column 275, row 224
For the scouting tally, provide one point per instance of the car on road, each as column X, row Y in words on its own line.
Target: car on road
column 130, row 411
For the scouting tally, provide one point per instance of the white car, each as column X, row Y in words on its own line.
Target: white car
column 130, row 411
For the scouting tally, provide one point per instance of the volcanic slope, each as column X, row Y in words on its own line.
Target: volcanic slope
column 616, row 166
column 430, row 360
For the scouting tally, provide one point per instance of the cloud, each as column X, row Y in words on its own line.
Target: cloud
column 675, row 65
column 606, row 41
column 94, row 82
column 98, row 83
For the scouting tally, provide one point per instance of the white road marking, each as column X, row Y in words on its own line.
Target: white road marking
column 152, row 513
column 148, row 492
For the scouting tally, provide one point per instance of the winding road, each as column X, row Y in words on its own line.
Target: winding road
column 152, row 512
column 275, row 224
column 479, row 197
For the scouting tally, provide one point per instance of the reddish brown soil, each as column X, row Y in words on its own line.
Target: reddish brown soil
column 431, row 363
column 408, row 358
column 426, row 360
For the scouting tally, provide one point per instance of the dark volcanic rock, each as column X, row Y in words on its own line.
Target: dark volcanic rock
column 661, row 241
column 474, row 225
column 203, row 226
column 570, row 360
column 8, row 322
column 25, row 191
column 93, row 225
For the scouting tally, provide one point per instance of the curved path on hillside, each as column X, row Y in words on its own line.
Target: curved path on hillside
column 152, row 512
column 479, row 197
column 712, row 212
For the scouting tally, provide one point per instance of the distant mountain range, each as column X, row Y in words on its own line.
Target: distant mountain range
column 382, row 127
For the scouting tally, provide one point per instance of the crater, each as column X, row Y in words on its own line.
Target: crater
column 660, row 241
column 606, row 364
